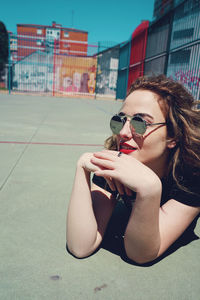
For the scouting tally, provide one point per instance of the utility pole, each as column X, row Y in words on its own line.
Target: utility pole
column 72, row 18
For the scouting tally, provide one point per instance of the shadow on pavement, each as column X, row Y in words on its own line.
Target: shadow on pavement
column 114, row 243
column 113, row 239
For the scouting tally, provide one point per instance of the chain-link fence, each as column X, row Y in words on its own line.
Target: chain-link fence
column 170, row 45
column 45, row 67
column 173, row 46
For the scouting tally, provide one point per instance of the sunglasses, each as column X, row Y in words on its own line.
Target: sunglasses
column 137, row 123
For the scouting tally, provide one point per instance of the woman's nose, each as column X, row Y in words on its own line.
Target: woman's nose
column 125, row 132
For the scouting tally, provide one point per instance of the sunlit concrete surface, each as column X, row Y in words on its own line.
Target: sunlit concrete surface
column 40, row 140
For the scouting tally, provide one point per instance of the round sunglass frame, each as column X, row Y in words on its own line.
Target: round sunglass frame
column 137, row 124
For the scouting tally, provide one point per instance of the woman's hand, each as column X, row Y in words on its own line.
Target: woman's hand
column 116, row 185
column 85, row 162
column 126, row 171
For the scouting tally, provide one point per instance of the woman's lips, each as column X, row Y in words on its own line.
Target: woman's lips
column 126, row 151
column 126, row 148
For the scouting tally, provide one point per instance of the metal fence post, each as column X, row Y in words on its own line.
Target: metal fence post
column 54, row 66
column 95, row 91
column 9, row 65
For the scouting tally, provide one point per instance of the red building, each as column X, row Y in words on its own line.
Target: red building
column 137, row 52
column 33, row 38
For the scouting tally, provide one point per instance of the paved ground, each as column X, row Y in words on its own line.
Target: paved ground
column 40, row 141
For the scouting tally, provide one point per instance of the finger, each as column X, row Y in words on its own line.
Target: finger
column 127, row 191
column 104, row 173
column 106, row 155
column 113, row 152
column 110, row 183
column 91, row 167
column 119, row 187
column 102, row 163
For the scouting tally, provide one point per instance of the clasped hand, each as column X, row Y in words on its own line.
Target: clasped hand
column 124, row 174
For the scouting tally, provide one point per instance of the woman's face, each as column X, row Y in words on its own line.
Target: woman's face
column 152, row 148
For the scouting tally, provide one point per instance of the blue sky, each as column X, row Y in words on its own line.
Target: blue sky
column 105, row 20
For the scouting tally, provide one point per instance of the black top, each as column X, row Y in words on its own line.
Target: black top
column 121, row 214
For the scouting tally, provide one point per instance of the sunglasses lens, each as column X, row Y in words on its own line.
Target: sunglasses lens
column 138, row 125
column 116, row 124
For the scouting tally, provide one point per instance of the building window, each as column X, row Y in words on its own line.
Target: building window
column 66, row 34
column 39, row 43
column 66, row 45
column 39, row 31
column 187, row 7
column 181, row 34
column 180, row 57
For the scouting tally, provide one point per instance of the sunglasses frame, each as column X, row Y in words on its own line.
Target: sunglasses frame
column 124, row 117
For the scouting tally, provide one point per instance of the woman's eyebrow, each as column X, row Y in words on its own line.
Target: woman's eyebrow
column 144, row 115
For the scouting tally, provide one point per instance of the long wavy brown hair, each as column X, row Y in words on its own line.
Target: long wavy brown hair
column 183, row 124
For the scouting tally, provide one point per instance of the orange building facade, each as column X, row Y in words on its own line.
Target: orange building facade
column 55, row 38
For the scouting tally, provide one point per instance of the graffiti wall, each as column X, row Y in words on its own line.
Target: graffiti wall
column 76, row 74
column 34, row 73
column 41, row 72
column 107, row 72
column 190, row 79
column 184, row 63
column 184, row 66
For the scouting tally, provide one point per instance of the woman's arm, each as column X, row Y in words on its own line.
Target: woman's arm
column 151, row 229
column 88, row 212
column 142, row 239
column 149, row 234
column 142, row 236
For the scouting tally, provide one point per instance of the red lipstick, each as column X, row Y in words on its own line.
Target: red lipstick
column 126, row 151
column 126, row 148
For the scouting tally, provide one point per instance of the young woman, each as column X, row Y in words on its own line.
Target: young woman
column 153, row 162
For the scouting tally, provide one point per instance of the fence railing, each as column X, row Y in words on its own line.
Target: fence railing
column 173, row 46
column 60, row 67
column 170, row 46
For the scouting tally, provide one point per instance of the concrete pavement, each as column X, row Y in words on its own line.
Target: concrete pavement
column 40, row 141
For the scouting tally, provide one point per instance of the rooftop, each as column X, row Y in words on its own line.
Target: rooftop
column 54, row 25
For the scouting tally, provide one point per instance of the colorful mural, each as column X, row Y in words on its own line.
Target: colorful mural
column 189, row 78
column 76, row 74
column 41, row 72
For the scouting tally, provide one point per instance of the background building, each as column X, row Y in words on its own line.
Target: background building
column 184, row 50
column 171, row 47
column 32, row 38
column 161, row 7
column 176, row 34
column 59, row 60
